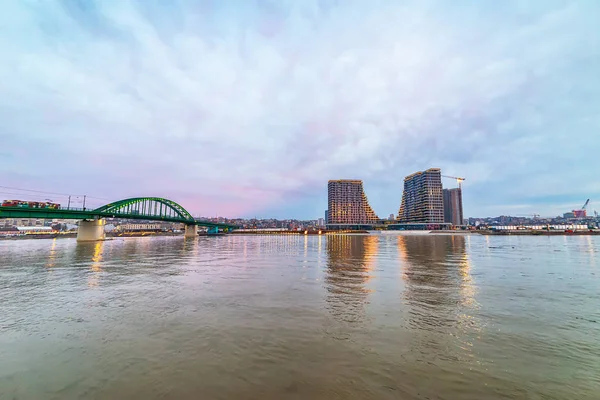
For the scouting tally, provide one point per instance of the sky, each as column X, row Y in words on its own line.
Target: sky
column 247, row 108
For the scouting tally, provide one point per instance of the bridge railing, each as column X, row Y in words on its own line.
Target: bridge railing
column 120, row 214
column 115, row 212
column 91, row 210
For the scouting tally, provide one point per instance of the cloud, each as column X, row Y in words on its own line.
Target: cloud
column 255, row 105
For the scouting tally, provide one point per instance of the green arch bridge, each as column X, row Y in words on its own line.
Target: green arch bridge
column 139, row 208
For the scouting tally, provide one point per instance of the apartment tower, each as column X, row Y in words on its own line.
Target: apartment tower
column 347, row 203
column 453, row 210
column 422, row 200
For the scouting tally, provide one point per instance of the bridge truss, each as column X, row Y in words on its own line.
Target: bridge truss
column 138, row 208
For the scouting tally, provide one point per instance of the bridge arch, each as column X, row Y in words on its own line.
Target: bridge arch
column 153, row 207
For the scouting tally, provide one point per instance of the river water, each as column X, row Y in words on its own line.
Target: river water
column 301, row 317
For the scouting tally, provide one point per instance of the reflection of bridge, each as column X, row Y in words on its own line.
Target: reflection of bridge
column 91, row 226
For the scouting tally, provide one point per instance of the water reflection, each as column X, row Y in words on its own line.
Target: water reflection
column 94, row 277
column 590, row 250
column 52, row 256
column 89, row 256
column 350, row 259
column 426, row 267
column 440, row 290
column 257, row 324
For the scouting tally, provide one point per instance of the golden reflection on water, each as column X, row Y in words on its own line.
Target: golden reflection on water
column 440, row 291
column 350, row 260
column 94, row 278
column 402, row 257
column 305, row 247
column 467, row 287
column 469, row 326
column 371, row 250
column 52, row 256
column 320, row 246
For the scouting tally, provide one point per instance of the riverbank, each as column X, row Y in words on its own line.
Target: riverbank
column 308, row 232
column 315, row 232
column 538, row 233
column 74, row 235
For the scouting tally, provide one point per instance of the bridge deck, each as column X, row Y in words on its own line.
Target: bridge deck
column 71, row 213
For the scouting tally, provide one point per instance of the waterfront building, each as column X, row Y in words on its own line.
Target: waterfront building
column 422, row 200
column 580, row 213
column 348, row 204
column 453, row 210
column 134, row 227
column 23, row 222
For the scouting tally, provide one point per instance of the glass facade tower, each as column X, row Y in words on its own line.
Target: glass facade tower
column 422, row 200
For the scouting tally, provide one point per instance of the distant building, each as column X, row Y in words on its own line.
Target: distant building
column 34, row 229
column 391, row 217
column 139, row 227
column 453, row 210
column 348, row 204
column 422, row 200
column 326, row 216
column 569, row 215
column 580, row 213
column 320, row 222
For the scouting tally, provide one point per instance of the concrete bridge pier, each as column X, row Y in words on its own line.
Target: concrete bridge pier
column 191, row 231
column 91, row 230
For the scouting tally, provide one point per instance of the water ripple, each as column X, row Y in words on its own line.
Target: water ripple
column 320, row 317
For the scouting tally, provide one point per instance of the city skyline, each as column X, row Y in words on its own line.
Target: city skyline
column 245, row 109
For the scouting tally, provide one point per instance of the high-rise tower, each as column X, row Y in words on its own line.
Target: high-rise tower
column 453, row 210
column 348, row 204
column 422, row 200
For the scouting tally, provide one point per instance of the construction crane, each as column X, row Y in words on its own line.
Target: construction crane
column 581, row 213
column 459, row 180
column 585, row 204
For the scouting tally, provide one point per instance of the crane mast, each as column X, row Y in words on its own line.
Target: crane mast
column 585, row 204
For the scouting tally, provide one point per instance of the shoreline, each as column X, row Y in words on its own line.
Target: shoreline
column 74, row 235
column 539, row 233
column 313, row 233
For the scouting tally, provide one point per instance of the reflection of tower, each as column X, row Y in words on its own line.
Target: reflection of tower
column 432, row 270
column 349, row 261
column 347, row 203
column 439, row 290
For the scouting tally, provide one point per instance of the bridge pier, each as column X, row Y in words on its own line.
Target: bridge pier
column 191, row 231
column 90, row 230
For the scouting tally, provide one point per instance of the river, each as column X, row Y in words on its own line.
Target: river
column 301, row 317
